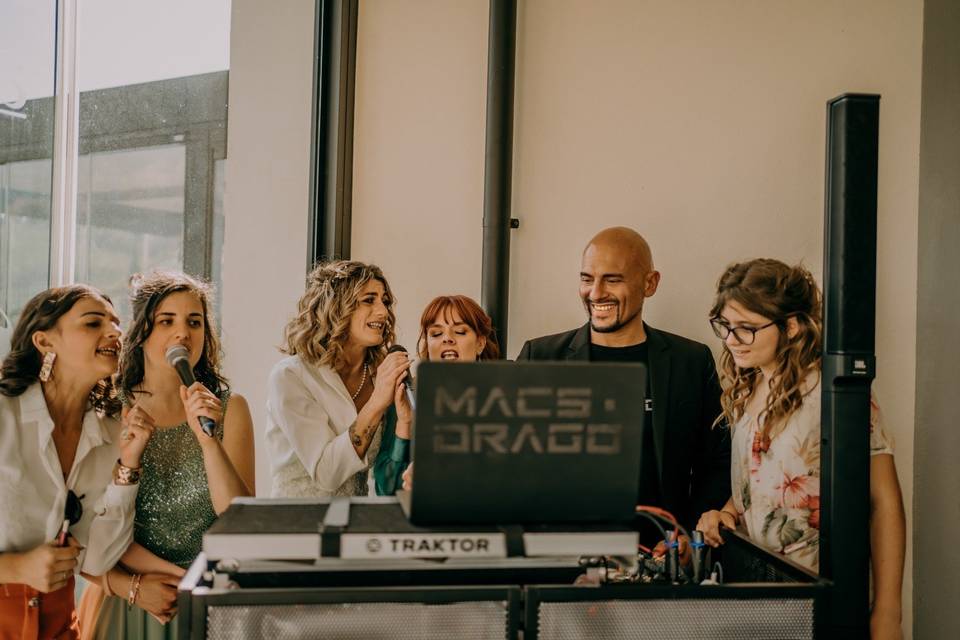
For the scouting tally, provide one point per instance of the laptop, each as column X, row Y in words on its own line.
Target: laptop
column 504, row 443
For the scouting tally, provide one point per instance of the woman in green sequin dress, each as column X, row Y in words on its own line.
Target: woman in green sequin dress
column 192, row 477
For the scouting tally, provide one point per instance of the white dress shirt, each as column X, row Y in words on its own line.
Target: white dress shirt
column 33, row 494
column 309, row 413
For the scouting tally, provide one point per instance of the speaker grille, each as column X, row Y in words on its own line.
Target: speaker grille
column 361, row 620
column 740, row 566
column 677, row 619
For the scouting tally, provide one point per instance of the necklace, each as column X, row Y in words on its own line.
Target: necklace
column 363, row 381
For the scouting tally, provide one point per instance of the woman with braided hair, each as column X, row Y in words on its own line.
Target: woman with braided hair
column 327, row 400
column 768, row 315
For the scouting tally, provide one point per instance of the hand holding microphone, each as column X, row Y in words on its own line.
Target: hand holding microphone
column 389, row 374
column 405, row 389
column 202, row 407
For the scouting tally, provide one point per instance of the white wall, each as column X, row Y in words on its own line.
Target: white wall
column 418, row 149
column 700, row 124
column 266, row 198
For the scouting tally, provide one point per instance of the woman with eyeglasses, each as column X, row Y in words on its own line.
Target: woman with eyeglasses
column 69, row 470
column 769, row 318
column 191, row 475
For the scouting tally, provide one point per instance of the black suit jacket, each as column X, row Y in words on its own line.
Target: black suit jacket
column 693, row 457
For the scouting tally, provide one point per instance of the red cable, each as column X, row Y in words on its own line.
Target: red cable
column 665, row 514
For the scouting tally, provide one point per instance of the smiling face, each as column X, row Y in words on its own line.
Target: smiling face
column 370, row 318
column 613, row 285
column 762, row 354
column 178, row 319
column 450, row 338
column 86, row 340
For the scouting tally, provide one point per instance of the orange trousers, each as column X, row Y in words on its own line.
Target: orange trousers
column 28, row 614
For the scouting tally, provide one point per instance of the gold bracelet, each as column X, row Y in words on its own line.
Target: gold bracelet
column 124, row 476
column 134, row 590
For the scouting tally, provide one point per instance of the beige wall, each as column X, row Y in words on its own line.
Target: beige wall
column 267, row 186
column 418, row 148
column 699, row 123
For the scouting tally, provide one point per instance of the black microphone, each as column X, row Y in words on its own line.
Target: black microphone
column 179, row 359
column 406, row 381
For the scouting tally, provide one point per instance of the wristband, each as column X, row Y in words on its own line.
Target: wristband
column 736, row 517
column 105, row 584
column 123, row 475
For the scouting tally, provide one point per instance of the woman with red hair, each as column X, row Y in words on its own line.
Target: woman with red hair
column 452, row 328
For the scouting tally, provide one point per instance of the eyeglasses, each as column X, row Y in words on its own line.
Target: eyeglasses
column 73, row 510
column 744, row 335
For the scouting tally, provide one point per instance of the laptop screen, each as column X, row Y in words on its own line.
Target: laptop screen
column 527, row 442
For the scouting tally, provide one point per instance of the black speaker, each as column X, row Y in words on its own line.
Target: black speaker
column 625, row 612
column 410, row 613
column 850, row 227
column 849, row 276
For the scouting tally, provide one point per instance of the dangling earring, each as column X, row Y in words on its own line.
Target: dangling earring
column 47, row 369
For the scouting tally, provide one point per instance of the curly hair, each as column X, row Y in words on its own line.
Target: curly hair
column 321, row 327
column 778, row 292
column 147, row 292
column 470, row 314
column 21, row 367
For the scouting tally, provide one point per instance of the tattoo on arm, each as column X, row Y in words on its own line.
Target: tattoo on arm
column 360, row 440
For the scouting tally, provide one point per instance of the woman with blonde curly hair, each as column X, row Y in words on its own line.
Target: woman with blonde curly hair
column 327, row 400
column 768, row 315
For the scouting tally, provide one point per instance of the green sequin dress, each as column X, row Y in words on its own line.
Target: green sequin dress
column 173, row 512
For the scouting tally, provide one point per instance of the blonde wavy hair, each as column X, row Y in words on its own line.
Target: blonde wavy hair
column 777, row 292
column 321, row 327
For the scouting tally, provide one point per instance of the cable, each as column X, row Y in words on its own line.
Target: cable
column 666, row 516
column 654, row 520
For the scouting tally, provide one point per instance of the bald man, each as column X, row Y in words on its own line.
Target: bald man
column 685, row 464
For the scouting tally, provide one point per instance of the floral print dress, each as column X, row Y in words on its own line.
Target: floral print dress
column 776, row 484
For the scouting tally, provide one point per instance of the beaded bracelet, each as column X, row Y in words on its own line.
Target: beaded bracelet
column 123, row 475
column 134, row 590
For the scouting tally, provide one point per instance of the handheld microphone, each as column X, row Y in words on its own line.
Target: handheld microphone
column 179, row 359
column 406, row 381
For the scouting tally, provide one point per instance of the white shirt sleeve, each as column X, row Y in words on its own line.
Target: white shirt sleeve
column 329, row 458
column 111, row 530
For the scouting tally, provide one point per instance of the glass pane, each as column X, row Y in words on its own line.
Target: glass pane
column 129, row 216
column 216, row 267
column 153, row 118
column 27, row 46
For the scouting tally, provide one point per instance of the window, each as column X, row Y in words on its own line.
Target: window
column 27, row 45
column 150, row 131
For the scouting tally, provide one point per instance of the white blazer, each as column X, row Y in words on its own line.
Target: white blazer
column 33, row 493
column 309, row 413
